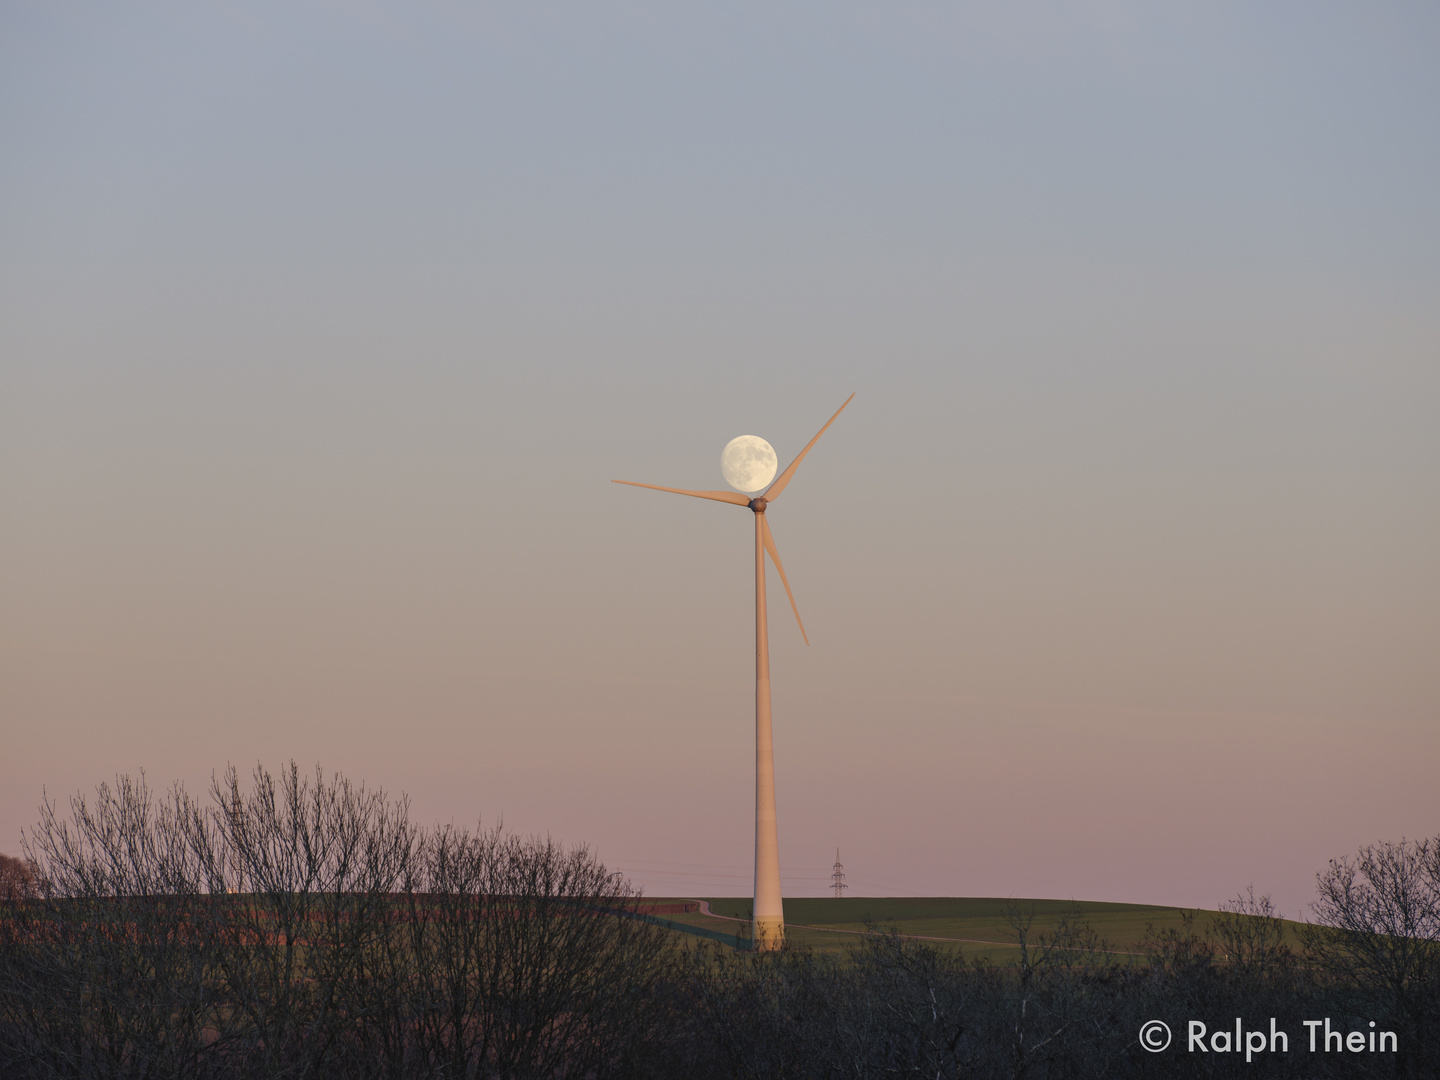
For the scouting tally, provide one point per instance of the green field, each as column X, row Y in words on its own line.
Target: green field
column 979, row 925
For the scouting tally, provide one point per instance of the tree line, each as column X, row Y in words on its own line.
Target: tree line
column 298, row 925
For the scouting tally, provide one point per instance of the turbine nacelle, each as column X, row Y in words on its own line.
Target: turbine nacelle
column 758, row 505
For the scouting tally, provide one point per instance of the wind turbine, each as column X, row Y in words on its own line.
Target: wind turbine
column 748, row 464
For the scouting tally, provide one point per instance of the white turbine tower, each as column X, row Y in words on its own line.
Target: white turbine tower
column 748, row 463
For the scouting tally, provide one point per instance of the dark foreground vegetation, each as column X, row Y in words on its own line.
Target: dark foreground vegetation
column 303, row 927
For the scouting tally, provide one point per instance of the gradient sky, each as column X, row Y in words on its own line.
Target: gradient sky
column 324, row 327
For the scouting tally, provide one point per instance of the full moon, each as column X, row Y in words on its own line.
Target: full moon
column 748, row 463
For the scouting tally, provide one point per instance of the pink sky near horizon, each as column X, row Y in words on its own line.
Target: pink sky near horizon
column 322, row 337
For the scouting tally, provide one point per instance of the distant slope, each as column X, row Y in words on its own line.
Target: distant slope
column 978, row 925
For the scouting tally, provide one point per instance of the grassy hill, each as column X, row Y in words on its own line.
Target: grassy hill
column 978, row 925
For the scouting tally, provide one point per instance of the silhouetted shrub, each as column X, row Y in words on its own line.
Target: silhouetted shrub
column 302, row 926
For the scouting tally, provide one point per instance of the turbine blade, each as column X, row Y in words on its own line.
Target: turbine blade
column 775, row 558
column 779, row 485
column 718, row 496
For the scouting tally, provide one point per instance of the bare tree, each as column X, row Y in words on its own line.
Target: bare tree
column 305, row 869
column 1378, row 936
column 18, row 880
column 174, row 939
column 1064, row 1001
column 106, row 973
column 303, row 926
column 526, row 959
column 1250, row 933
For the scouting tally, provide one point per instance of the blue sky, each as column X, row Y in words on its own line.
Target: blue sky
column 323, row 328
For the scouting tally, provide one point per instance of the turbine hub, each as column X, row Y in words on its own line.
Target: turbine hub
column 758, row 505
